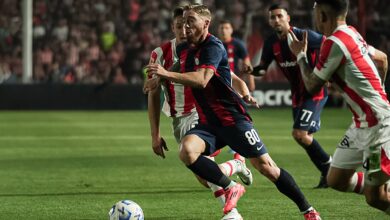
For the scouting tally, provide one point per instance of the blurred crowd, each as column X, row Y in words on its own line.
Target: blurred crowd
column 100, row 41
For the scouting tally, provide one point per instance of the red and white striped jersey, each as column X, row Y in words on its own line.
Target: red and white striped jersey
column 344, row 60
column 178, row 98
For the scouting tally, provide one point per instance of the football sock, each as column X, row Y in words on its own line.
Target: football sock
column 319, row 157
column 219, row 193
column 287, row 185
column 357, row 183
column 209, row 170
column 231, row 167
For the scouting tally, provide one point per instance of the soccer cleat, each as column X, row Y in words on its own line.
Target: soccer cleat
column 322, row 184
column 245, row 175
column 312, row 215
column 232, row 196
column 232, row 215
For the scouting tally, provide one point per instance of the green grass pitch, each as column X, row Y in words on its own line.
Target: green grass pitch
column 76, row 165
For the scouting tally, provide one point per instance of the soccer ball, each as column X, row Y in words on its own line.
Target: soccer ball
column 126, row 210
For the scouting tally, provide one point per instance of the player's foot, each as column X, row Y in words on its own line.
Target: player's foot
column 245, row 174
column 322, row 184
column 232, row 215
column 232, row 196
column 312, row 215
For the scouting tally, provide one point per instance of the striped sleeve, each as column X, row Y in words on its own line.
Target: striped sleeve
column 156, row 56
column 330, row 59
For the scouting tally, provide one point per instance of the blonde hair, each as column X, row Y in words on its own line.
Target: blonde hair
column 201, row 10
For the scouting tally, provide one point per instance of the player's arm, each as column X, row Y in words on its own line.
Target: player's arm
column 313, row 83
column 380, row 60
column 250, row 79
column 240, row 86
column 196, row 79
column 267, row 57
column 158, row 143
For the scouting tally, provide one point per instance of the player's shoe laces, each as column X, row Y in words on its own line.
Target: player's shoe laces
column 232, row 215
column 245, row 175
column 232, row 196
column 312, row 215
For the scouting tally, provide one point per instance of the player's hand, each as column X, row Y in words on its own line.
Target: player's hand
column 250, row 100
column 151, row 84
column 159, row 146
column 297, row 46
column 156, row 70
column 246, row 69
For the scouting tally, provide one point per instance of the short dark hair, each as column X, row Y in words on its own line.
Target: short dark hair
column 225, row 21
column 340, row 7
column 276, row 6
column 177, row 12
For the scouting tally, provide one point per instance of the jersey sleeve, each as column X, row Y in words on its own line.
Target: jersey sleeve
column 156, row 56
column 242, row 53
column 314, row 39
column 267, row 56
column 211, row 56
column 331, row 56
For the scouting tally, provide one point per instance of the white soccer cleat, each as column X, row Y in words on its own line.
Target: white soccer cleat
column 245, row 175
column 232, row 215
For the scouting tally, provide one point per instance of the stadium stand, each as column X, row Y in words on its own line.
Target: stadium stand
column 92, row 42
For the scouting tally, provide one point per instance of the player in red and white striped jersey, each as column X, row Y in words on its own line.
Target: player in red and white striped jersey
column 346, row 60
column 180, row 106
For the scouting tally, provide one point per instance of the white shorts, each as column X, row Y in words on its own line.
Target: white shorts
column 183, row 124
column 368, row 148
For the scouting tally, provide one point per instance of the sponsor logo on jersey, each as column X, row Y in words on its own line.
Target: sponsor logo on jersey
column 288, row 64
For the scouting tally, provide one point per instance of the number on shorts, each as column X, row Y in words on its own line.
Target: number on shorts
column 252, row 137
column 306, row 115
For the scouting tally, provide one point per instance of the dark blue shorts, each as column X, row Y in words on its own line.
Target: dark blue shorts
column 242, row 138
column 307, row 116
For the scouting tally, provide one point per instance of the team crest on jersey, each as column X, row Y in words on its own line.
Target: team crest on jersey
column 196, row 61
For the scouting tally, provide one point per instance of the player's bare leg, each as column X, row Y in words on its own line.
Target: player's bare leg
column 315, row 152
column 285, row 183
column 378, row 197
column 346, row 180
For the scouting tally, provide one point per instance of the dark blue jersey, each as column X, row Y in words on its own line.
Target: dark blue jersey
column 235, row 51
column 217, row 104
column 278, row 50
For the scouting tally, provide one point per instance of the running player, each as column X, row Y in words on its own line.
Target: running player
column 237, row 53
column 345, row 60
column 179, row 105
column 223, row 118
column 306, row 107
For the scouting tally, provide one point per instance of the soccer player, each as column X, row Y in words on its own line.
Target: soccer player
column 179, row 105
column 345, row 60
column 223, row 118
column 236, row 53
column 306, row 107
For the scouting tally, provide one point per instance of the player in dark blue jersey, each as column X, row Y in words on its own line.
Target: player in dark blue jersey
column 223, row 118
column 306, row 107
column 237, row 54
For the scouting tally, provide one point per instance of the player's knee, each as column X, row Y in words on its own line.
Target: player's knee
column 301, row 137
column 186, row 154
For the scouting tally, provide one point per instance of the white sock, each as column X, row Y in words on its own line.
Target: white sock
column 357, row 183
column 219, row 193
column 231, row 167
